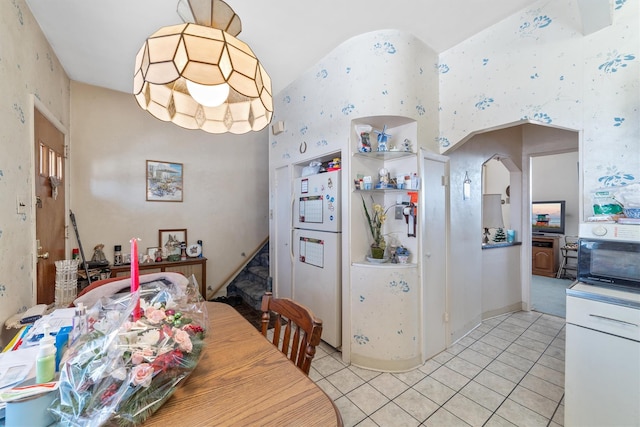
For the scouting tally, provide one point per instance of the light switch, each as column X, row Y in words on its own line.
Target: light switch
column 399, row 214
column 21, row 204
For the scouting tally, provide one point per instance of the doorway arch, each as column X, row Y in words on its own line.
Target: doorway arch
column 519, row 141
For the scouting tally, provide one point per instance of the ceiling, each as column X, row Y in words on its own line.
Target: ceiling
column 97, row 40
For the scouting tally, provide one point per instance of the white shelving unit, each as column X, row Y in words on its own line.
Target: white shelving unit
column 385, row 308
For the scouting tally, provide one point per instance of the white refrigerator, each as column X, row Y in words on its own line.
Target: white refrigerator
column 317, row 240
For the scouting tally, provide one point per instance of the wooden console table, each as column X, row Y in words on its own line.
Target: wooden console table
column 195, row 266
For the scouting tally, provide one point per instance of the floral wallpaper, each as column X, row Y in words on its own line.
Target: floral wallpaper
column 380, row 73
column 537, row 65
column 29, row 67
column 388, row 338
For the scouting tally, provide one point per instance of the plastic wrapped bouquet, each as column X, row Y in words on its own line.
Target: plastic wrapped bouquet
column 122, row 371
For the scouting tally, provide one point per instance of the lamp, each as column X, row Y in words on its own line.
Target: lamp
column 491, row 214
column 179, row 62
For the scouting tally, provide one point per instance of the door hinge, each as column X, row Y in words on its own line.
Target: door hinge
column 67, row 151
column 66, row 232
column 445, row 317
column 445, row 181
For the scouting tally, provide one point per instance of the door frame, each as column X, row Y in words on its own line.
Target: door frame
column 35, row 103
column 444, row 160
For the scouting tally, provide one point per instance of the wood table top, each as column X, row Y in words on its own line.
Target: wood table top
column 243, row 380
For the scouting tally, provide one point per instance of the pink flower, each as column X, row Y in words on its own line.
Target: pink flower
column 142, row 375
column 139, row 356
column 182, row 338
column 154, row 315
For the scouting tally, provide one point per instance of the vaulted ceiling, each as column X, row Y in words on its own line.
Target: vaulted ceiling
column 97, row 40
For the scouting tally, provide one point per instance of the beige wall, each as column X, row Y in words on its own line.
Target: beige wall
column 225, row 187
column 225, row 201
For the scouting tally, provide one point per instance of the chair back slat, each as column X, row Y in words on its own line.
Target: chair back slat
column 302, row 330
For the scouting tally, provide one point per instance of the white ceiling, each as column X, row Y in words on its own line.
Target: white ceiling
column 97, row 40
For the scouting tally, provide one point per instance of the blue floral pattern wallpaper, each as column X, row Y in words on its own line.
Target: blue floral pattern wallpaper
column 538, row 66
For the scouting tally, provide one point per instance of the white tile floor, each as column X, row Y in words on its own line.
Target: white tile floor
column 509, row 371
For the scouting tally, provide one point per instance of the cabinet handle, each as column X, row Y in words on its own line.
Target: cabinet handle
column 597, row 316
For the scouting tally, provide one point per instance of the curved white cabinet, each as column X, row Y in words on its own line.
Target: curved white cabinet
column 385, row 319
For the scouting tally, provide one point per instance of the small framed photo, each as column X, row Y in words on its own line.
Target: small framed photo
column 170, row 240
column 152, row 252
column 164, row 181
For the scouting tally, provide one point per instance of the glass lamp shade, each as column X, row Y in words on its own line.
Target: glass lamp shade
column 178, row 54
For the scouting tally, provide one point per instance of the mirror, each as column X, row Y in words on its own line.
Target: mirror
column 496, row 191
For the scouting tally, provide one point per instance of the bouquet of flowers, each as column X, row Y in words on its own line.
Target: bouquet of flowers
column 122, row 371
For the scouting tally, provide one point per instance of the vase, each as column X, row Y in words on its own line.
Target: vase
column 377, row 252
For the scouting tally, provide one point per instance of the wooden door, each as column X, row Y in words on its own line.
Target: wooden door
column 50, row 204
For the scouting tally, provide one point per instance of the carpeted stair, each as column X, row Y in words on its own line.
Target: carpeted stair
column 253, row 281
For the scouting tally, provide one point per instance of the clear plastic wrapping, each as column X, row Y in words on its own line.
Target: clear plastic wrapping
column 121, row 371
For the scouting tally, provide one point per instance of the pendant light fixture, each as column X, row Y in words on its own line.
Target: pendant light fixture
column 198, row 75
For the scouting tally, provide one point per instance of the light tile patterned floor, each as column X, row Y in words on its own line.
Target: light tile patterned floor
column 509, row 371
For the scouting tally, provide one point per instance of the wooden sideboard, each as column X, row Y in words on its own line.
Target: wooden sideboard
column 195, row 266
column 545, row 255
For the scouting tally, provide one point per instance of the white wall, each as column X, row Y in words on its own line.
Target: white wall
column 489, row 283
column 555, row 177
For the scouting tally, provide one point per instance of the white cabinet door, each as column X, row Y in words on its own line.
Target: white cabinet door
column 602, row 379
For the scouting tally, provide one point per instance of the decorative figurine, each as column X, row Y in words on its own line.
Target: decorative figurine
column 98, row 254
column 364, row 132
column 383, row 138
column 406, row 145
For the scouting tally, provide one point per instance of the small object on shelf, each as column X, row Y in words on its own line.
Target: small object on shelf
column 194, row 250
column 383, row 138
column 183, row 251
column 117, row 255
column 377, row 260
column 364, row 137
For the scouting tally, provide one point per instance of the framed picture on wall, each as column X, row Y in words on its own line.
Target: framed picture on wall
column 164, row 181
column 170, row 240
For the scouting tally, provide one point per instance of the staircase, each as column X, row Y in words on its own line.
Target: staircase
column 253, row 281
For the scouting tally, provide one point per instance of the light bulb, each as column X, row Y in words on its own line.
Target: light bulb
column 208, row 95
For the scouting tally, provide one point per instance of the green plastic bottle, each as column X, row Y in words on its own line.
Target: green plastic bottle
column 46, row 359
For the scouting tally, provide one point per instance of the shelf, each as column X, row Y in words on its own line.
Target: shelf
column 384, row 155
column 383, row 265
column 385, row 190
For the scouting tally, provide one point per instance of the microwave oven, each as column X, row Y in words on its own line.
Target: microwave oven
column 609, row 263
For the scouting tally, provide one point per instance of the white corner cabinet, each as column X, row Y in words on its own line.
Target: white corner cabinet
column 385, row 297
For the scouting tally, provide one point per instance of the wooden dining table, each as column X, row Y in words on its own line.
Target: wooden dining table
column 243, row 380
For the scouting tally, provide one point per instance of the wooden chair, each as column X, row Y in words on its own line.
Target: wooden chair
column 302, row 330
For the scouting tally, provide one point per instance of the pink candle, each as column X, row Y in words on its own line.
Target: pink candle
column 135, row 277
